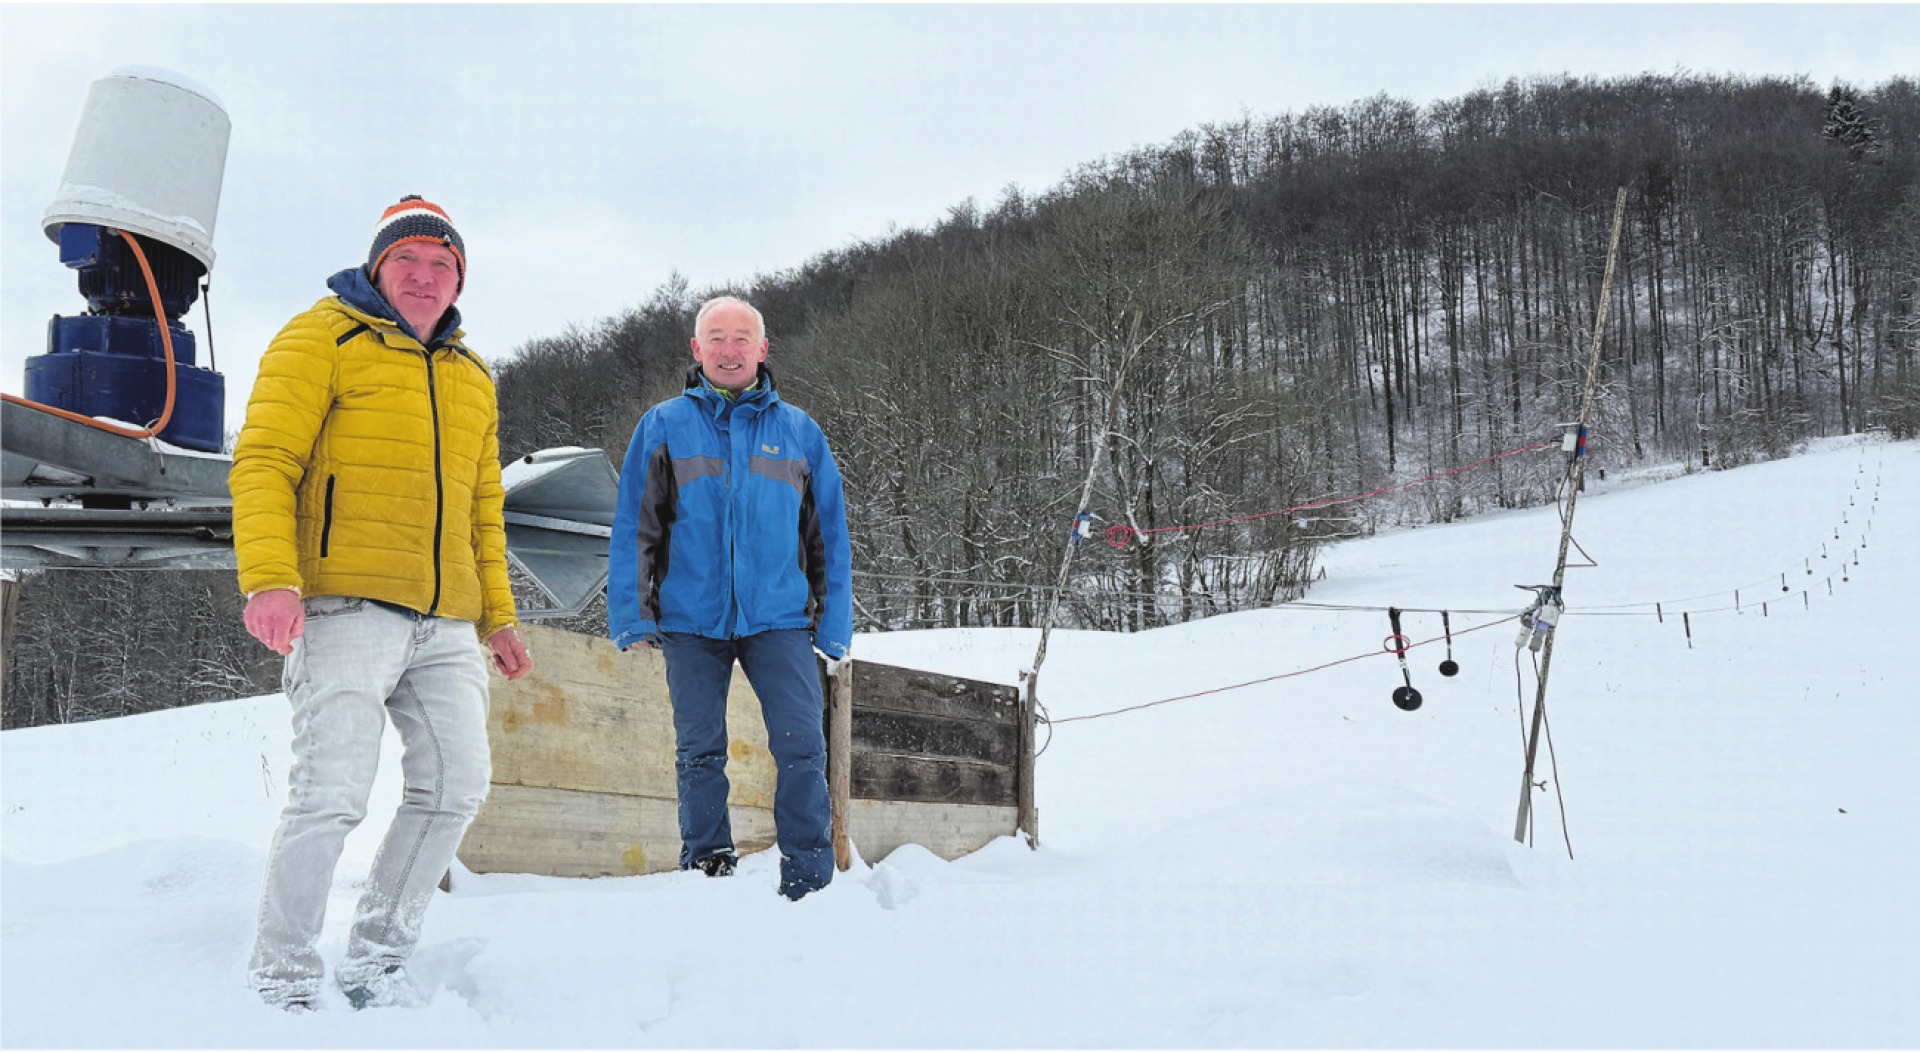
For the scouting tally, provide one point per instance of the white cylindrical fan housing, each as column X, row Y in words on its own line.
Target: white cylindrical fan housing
column 147, row 158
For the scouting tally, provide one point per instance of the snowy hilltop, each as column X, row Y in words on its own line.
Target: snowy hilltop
column 1295, row 862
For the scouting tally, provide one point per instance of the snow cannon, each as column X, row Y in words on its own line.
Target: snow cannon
column 147, row 161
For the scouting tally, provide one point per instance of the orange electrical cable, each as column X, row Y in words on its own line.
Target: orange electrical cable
column 166, row 343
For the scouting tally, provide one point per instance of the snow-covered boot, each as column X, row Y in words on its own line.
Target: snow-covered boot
column 388, row 988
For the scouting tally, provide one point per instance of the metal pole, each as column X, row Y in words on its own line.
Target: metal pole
column 1566, row 531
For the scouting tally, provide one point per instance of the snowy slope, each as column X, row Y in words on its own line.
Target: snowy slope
column 1295, row 863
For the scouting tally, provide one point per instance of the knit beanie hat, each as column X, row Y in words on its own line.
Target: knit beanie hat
column 415, row 219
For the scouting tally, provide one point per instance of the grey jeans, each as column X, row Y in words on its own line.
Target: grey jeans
column 358, row 665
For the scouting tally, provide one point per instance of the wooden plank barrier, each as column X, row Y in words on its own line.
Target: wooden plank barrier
column 934, row 761
column 583, row 749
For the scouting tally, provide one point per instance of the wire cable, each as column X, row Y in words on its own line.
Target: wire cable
column 1271, row 679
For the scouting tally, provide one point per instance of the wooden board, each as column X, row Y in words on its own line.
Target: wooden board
column 920, row 737
column 910, row 734
column 583, row 778
column 592, row 718
column 879, row 827
column 910, row 690
column 884, row 776
column 583, row 751
column 570, row 834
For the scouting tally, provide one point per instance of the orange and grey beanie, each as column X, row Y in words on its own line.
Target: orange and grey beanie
column 414, row 219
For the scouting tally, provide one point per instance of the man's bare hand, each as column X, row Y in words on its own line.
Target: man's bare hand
column 510, row 653
column 276, row 619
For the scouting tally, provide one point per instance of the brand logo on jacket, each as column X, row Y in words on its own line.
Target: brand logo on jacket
column 771, row 450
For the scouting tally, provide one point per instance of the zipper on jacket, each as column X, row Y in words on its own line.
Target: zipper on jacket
column 726, row 421
column 326, row 517
column 439, row 486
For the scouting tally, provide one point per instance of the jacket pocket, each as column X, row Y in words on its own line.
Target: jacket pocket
column 326, row 517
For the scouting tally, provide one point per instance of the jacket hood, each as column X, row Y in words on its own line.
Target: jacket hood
column 356, row 291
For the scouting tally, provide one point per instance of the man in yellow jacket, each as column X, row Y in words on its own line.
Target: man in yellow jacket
column 368, row 529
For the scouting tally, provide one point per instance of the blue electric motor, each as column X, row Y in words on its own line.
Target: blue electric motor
column 110, row 362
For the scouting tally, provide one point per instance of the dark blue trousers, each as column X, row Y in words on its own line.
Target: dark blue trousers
column 781, row 667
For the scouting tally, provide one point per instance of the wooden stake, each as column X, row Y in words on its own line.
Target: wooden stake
column 1026, row 815
column 840, row 760
column 1030, row 823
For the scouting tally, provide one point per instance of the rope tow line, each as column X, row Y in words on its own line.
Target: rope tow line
column 1397, row 645
column 1122, row 535
column 1538, row 622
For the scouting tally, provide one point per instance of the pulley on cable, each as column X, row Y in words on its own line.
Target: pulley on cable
column 1537, row 622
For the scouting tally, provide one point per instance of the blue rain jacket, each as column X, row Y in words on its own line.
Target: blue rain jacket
column 731, row 521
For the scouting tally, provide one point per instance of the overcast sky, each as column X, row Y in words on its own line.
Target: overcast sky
column 588, row 152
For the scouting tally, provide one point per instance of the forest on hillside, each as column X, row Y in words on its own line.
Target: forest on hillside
column 1268, row 313
column 1318, row 304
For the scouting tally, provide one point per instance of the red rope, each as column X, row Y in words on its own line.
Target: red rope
column 1123, row 535
column 1270, row 679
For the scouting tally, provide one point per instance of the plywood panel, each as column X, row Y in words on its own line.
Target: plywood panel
column 570, row 834
column 592, row 718
column 948, row 830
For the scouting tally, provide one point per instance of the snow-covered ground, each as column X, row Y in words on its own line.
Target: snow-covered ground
column 1296, row 863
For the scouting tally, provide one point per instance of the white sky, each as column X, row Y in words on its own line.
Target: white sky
column 587, row 152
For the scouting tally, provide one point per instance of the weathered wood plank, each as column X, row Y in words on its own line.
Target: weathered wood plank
column 910, row 734
column 840, row 762
column 594, row 719
column 572, row 834
column 1029, row 812
column 882, row 776
column 911, row 690
column 878, row 827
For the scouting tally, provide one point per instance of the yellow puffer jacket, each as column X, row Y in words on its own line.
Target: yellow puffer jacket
column 370, row 467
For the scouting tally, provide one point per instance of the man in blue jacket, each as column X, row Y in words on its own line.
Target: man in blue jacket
column 730, row 542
